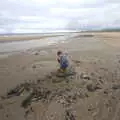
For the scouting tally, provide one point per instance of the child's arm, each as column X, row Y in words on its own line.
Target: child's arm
column 58, row 59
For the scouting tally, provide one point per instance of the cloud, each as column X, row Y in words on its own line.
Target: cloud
column 36, row 15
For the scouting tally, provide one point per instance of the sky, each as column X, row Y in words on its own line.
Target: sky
column 28, row 16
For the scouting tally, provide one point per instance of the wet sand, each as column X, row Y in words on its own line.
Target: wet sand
column 7, row 38
column 93, row 93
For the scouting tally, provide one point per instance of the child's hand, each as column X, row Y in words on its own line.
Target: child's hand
column 58, row 60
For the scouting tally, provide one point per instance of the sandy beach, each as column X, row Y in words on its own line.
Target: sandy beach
column 93, row 93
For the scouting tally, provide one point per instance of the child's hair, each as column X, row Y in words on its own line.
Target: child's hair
column 59, row 52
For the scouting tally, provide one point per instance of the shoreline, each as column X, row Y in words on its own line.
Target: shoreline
column 24, row 37
column 13, row 46
column 6, row 39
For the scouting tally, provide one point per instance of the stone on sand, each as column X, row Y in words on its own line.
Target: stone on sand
column 85, row 76
column 36, row 53
column 117, row 86
column 69, row 115
column 91, row 86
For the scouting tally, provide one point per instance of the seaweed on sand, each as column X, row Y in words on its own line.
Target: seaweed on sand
column 27, row 101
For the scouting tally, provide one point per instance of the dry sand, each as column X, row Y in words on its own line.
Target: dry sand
column 92, row 94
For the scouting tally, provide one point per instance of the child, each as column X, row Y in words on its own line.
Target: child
column 63, row 61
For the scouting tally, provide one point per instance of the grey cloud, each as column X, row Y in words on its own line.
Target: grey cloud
column 79, row 14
